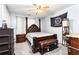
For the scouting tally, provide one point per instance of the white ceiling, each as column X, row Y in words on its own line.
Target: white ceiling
column 27, row 10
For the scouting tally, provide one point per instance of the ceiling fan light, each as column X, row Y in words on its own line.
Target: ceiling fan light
column 39, row 12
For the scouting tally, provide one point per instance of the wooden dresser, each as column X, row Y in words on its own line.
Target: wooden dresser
column 20, row 38
column 73, row 44
column 6, row 41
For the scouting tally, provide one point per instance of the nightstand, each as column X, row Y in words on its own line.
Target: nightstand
column 20, row 38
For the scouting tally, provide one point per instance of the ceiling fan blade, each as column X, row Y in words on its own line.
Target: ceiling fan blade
column 46, row 7
column 31, row 9
column 34, row 4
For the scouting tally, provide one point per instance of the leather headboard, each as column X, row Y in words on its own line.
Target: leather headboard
column 33, row 28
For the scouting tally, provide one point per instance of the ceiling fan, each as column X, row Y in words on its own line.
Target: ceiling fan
column 43, row 6
column 39, row 9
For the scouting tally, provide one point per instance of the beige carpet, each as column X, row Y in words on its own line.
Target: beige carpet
column 25, row 49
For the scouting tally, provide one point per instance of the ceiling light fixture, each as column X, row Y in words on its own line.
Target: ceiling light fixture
column 39, row 9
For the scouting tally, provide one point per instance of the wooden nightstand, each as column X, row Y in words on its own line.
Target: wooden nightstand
column 20, row 38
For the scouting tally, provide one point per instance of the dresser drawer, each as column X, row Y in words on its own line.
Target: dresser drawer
column 74, row 43
column 4, row 47
column 4, row 39
column 4, row 31
column 72, row 51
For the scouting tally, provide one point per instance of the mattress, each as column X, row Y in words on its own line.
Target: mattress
column 30, row 36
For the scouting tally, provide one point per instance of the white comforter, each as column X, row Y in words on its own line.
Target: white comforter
column 35, row 34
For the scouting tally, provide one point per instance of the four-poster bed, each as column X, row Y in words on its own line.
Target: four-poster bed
column 40, row 40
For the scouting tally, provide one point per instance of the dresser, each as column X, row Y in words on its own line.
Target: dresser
column 6, row 41
column 73, row 44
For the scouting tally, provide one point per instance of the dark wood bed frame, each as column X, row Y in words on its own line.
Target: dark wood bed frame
column 35, row 28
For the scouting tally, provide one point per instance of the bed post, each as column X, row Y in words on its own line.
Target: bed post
column 40, row 24
column 26, row 24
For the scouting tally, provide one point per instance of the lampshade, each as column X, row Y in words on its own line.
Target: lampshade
column 65, row 23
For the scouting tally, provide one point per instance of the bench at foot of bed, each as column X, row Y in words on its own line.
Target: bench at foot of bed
column 45, row 47
column 49, row 46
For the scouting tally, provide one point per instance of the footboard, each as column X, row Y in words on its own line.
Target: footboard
column 36, row 41
column 46, row 37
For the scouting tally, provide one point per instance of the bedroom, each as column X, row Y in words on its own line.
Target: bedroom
column 21, row 17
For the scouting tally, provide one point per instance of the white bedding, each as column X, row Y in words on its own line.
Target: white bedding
column 76, row 35
column 36, row 34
